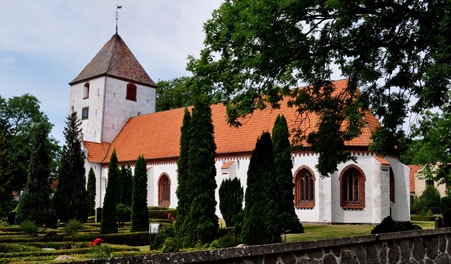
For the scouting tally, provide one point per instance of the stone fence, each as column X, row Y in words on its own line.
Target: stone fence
column 422, row 246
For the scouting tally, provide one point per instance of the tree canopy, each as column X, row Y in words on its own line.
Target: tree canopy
column 395, row 54
column 173, row 94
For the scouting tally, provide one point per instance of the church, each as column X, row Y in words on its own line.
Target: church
column 116, row 100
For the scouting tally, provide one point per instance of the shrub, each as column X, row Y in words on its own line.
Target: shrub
column 102, row 251
column 388, row 225
column 170, row 245
column 123, row 213
column 29, row 228
column 429, row 200
column 73, row 227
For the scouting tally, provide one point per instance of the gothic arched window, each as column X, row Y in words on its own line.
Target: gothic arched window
column 164, row 191
column 304, row 194
column 352, row 188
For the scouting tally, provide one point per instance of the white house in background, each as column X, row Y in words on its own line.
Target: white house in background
column 418, row 182
column 115, row 98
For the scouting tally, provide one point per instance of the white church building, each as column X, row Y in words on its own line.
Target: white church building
column 116, row 98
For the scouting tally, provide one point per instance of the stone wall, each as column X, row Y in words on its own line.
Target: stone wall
column 423, row 246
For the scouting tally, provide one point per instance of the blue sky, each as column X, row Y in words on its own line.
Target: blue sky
column 45, row 44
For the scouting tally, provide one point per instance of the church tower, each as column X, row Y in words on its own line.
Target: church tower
column 112, row 88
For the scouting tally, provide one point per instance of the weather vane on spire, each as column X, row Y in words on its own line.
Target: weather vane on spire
column 117, row 14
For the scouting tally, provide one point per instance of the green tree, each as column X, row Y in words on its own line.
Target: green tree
column 284, row 178
column 202, row 221
column 183, row 191
column 140, row 218
column 109, row 218
column 5, row 176
column 429, row 200
column 231, row 200
column 126, row 183
column 393, row 51
column 70, row 200
column 35, row 204
column 260, row 223
column 91, row 192
column 173, row 94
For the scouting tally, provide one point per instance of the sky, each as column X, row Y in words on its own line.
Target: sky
column 45, row 44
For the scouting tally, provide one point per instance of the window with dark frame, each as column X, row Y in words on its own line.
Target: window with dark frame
column 131, row 92
column 86, row 91
column 305, row 189
column 352, row 186
column 84, row 113
column 164, row 191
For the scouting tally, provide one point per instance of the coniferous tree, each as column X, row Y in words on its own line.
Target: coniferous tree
column 284, row 197
column 260, row 222
column 202, row 222
column 5, row 176
column 183, row 192
column 140, row 218
column 91, row 192
column 109, row 219
column 35, row 204
column 70, row 200
column 231, row 200
column 125, row 196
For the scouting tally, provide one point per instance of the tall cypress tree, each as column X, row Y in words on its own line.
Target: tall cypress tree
column 125, row 196
column 140, row 218
column 70, row 200
column 202, row 221
column 35, row 204
column 231, row 200
column 5, row 175
column 183, row 192
column 284, row 178
column 260, row 222
column 91, row 192
column 109, row 218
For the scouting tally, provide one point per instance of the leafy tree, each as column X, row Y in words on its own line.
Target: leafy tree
column 173, row 94
column 260, row 223
column 70, row 200
column 126, row 185
column 393, row 51
column 91, row 192
column 231, row 200
column 202, row 221
column 429, row 200
column 183, row 191
column 140, row 218
column 109, row 218
column 18, row 116
column 284, row 178
column 35, row 204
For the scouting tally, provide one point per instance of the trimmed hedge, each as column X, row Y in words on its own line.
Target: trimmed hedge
column 161, row 213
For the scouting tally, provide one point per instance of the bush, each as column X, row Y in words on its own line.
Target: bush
column 161, row 212
column 429, row 200
column 102, row 251
column 388, row 225
column 123, row 213
column 170, row 245
column 73, row 227
column 29, row 228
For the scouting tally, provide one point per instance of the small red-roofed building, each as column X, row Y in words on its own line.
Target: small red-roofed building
column 116, row 99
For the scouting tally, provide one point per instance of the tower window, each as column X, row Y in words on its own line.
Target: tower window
column 131, row 92
column 86, row 91
column 84, row 113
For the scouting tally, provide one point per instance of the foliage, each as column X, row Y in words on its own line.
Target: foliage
column 170, row 245
column 284, row 185
column 173, row 94
column 445, row 209
column 260, row 223
column 183, row 192
column 71, row 200
column 102, row 251
column 393, row 51
column 231, row 200
column 228, row 240
column 29, row 228
column 91, row 192
column 35, row 203
column 123, row 213
column 201, row 222
column 388, row 225
column 18, row 116
column 109, row 218
column 429, row 200
column 126, row 183
column 140, row 217
column 73, row 226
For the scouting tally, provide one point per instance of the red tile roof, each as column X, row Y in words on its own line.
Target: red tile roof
column 382, row 160
column 413, row 170
column 157, row 135
column 115, row 60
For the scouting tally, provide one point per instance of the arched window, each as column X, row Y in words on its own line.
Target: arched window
column 131, row 92
column 304, row 194
column 392, row 186
column 164, row 191
column 352, row 187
